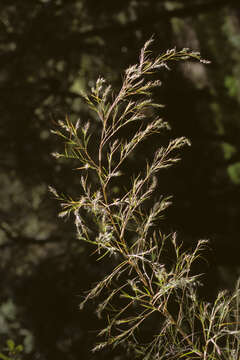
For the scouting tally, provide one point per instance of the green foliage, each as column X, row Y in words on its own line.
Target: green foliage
column 13, row 351
column 234, row 172
column 10, row 327
column 145, row 282
column 232, row 85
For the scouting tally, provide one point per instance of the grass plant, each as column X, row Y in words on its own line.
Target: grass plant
column 142, row 287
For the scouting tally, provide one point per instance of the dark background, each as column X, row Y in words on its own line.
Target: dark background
column 49, row 50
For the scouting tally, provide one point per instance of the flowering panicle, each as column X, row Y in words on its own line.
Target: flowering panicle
column 143, row 282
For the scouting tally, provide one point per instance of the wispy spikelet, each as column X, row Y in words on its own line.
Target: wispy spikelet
column 53, row 191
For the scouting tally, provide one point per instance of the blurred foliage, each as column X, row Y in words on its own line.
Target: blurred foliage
column 14, row 351
column 49, row 51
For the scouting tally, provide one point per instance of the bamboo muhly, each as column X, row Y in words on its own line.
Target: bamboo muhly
column 141, row 285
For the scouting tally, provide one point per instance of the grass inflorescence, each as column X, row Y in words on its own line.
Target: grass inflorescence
column 141, row 286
